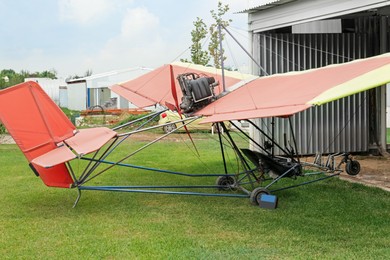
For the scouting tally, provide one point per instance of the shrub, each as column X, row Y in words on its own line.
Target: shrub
column 2, row 129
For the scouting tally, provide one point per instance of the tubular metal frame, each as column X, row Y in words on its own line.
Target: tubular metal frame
column 248, row 176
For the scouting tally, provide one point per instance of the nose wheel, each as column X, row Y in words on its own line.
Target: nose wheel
column 256, row 195
column 352, row 167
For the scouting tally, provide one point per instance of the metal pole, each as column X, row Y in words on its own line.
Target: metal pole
column 273, row 136
column 221, row 147
column 221, row 52
column 239, row 154
column 250, row 138
column 294, row 140
column 139, row 119
column 242, row 47
column 267, row 136
column 382, row 125
column 139, row 149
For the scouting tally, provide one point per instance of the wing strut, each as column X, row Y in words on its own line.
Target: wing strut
column 294, row 140
column 242, row 47
column 239, row 154
column 222, row 150
column 270, row 138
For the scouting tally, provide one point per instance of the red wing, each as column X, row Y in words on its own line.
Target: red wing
column 155, row 86
column 289, row 93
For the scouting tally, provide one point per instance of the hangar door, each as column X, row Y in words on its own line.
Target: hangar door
column 349, row 124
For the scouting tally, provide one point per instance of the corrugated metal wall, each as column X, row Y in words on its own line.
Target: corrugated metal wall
column 338, row 126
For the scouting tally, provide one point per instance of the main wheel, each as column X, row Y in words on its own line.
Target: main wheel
column 352, row 167
column 169, row 128
column 225, row 182
column 256, row 194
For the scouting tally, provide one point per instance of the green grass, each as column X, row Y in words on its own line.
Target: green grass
column 69, row 113
column 327, row 220
column 388, row 135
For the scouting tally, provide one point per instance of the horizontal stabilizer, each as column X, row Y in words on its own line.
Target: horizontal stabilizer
column 89, row 140
column 59, row 155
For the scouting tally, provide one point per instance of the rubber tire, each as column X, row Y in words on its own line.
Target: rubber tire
column 169, row 128
column 255, row 195
column 352, row 167
column 225, row 183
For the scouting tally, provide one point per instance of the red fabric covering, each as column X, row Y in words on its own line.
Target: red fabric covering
column 286, row 94
column 37, row 124
column 57, row 156
column 155, row 86
column 89, row 140
column 133, row 97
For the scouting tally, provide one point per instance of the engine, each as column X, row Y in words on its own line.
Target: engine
column 198, row 91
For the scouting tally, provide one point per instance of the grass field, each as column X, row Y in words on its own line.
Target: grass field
column 327, row 220
column 388, row 135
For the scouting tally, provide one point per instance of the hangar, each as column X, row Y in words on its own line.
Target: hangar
column 294, row 35
column 90, row 91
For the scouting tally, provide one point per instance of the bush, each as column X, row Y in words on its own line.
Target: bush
column 2, row 129
column 131, row 117
column 70, row 113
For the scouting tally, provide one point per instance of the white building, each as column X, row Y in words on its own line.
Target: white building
column 52, row 88
column 93, row 90
column 388, row 106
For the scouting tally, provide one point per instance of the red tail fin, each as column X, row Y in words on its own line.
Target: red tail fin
column 37, row 124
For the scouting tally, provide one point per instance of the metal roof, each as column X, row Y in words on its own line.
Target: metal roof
column 263, row 5
column 105, row 74
column 283, row 13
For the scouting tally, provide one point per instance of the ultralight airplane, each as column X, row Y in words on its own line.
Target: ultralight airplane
column 50, row 141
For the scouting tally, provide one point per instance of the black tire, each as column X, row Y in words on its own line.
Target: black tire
column 256, row 194
column 169, row 128
column 352, row 167
column 225, row 183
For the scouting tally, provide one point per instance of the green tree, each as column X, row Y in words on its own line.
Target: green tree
column 214, row 50
column 9, row 77
column 199, row 33
column 52, row 74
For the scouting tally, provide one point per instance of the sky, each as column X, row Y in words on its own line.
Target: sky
column 73, row 36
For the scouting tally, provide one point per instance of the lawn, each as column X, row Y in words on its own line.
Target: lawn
column 331, row 219
column 388, row 135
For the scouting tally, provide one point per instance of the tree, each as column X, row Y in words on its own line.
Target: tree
column 214, row 50
column 86, row 74
column 9, row 77
column 52, row 74
column 198, row 56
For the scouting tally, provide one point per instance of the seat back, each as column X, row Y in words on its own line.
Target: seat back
column 37, row 124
